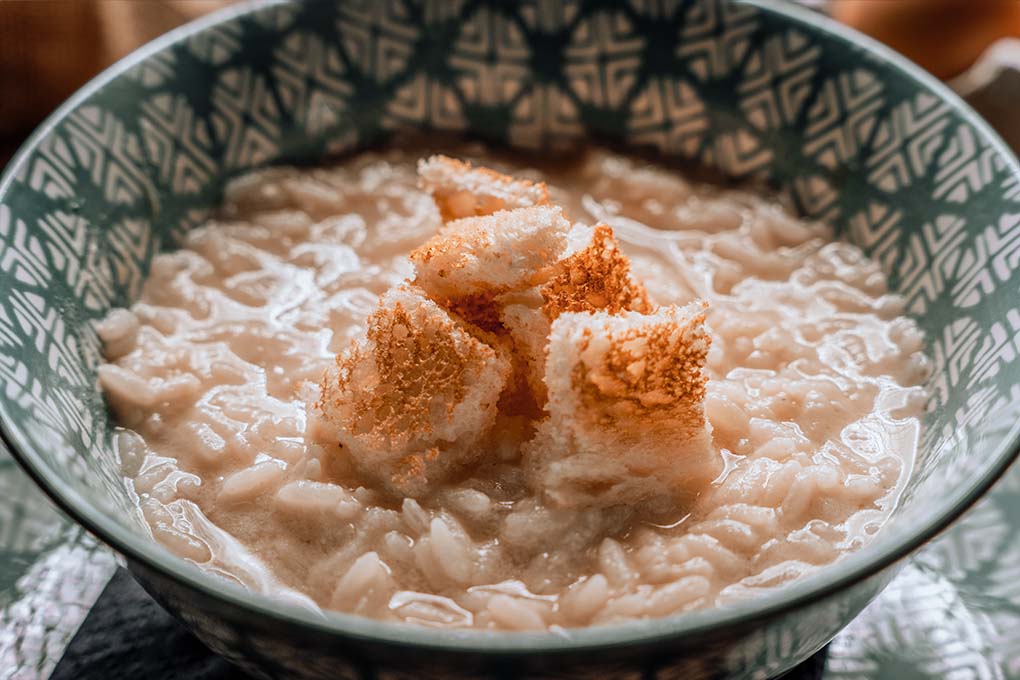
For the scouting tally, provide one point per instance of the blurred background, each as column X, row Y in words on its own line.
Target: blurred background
column 49, row 48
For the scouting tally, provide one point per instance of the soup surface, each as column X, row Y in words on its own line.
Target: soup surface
column 812, row 400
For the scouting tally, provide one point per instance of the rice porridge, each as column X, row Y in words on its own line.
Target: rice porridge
column 444, row 400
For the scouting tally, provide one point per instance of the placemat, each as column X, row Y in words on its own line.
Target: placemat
column 128, row 635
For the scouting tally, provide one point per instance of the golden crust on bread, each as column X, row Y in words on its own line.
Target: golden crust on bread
column 472, row 261
column 595, row 278
column 649, row 370
column 463, row 190
column 412, row 397
column 626, row 417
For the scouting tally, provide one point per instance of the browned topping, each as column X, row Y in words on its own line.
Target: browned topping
column 474, row 260
column 647, row 374
column 399, row 396
column 596, row 278
column 414, row 366
column 412, row 471
column 462, row 190
column 479, row 309
column 449, row 242
column 626, row 417
column 476, row 307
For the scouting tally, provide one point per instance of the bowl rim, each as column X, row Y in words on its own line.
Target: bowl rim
column 812, row 588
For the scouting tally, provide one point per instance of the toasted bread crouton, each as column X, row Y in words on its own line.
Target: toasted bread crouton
column 412, row 398
column 462, row 190
column 594, row 276
column 472, row 261
column 626, row 420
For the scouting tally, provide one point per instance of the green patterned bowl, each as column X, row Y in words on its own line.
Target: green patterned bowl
column 850, row 132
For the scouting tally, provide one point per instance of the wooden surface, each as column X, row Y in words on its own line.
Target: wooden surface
column 48, row 49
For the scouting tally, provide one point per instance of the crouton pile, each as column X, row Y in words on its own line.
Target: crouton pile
column 515, row 311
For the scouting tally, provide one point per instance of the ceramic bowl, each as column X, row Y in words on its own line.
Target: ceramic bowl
column 848, row 131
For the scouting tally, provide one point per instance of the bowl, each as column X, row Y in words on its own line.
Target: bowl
column 843, row 128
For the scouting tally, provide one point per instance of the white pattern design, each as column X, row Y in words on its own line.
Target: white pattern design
column 177, row 143
column 965, row 167
column 714, row 38
column 376, row 37
column 907, row 143
column 246, row 118
column 421, row 100
column 490, row 60
column 602, row 61
column 842, row 117
column 112, row 156
column 544, row 117
column 668, row 115
column 921, row 625
column 216, row 45
column 312, row 81
column 777, row 80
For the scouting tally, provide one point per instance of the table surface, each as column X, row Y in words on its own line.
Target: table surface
column 953, row 612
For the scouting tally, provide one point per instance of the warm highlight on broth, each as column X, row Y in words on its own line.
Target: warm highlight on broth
column 811, row 402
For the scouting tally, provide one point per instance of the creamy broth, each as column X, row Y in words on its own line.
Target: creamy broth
column 813, row 400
